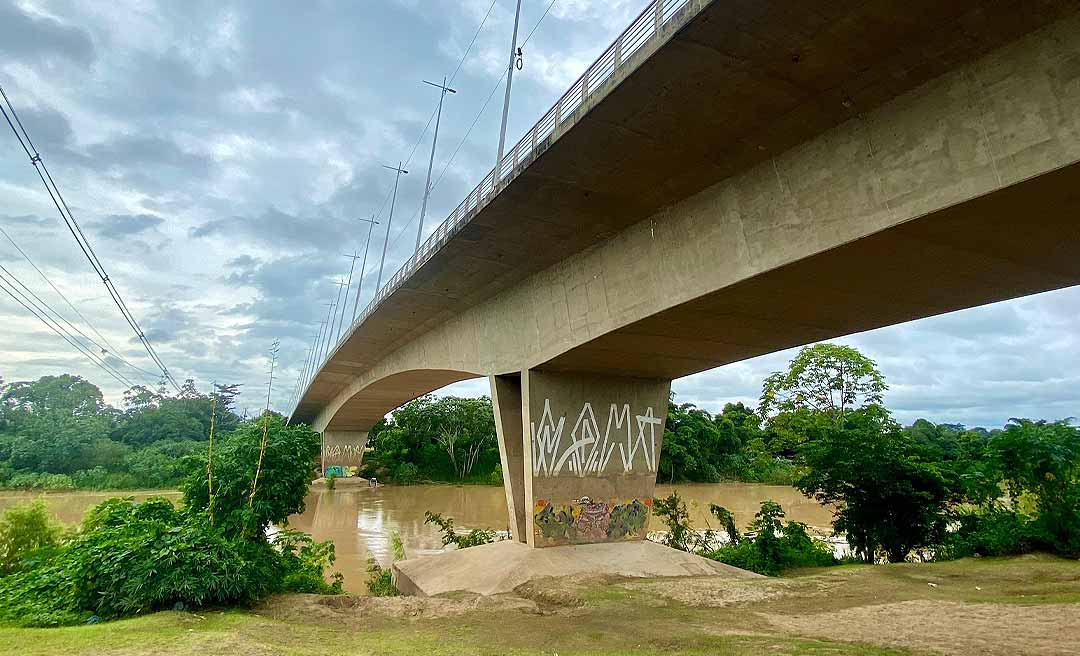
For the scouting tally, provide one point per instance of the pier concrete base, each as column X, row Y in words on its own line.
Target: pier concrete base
column 502, row 566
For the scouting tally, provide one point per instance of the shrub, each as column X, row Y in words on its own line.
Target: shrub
column 990, row 531
column 777, row 546
column 672, row 511
column 284, row 478
column 406, row 473
column 305, row 561
column 380, row 581
column 27, row 534
column 473, row 538
column 133, row 558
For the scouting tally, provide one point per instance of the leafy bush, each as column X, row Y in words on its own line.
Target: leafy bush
column 406, row 473
column 672, row 511
column 473, row 538
column 284, row 477
column 380, row 581
column 305, row 562
column 131, row 558
column 27, row 534
column 777, row 546
column 990, row 532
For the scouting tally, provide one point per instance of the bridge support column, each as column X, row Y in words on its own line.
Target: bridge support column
column 344, row 449
column 590, row 447
column 506, row 401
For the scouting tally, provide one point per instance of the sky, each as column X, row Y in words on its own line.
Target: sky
column 220, row 155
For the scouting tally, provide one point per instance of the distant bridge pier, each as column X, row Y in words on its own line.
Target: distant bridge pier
column 344, row 449
column 579, row 454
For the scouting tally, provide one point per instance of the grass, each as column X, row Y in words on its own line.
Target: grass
column 986, row 605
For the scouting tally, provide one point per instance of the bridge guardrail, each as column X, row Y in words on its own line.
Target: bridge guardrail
column 647, row 28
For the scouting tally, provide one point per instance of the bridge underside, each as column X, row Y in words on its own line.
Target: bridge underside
column 1016, row 241
column 737, row 84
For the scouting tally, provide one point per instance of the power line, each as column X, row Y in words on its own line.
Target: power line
column 76, row 232
column 29, row 306
column 111, row 349
column 51, row 313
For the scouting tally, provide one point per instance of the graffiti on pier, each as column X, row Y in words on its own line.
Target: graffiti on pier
column 343, row 452
column 585, row 521
column 587, row 451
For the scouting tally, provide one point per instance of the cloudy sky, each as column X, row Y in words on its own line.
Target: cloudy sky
column 218, row 155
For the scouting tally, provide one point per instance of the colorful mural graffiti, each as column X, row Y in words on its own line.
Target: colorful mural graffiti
column 584, row 520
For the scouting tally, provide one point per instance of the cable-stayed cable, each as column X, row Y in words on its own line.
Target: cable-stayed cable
column 76, row 231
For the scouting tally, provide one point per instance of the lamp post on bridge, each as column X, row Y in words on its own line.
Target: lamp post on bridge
column 331, row 337
column 389, row 221
column 443, row 90
column 363, row 265
column 314, row 355
column 506, row 98
column 326, row 333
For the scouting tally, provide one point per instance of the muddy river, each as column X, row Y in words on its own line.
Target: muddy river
column 360, row 520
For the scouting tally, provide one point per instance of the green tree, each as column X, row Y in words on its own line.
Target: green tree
column 828, row 379
column 1040, row 459
column 889, row 494
column 291, row 453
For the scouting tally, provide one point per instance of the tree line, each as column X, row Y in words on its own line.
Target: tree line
column 58, row 432
column 927, row 490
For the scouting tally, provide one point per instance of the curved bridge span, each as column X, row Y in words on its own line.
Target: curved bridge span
column 743, row 178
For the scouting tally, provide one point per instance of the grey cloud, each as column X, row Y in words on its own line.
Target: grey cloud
column 278, row 229
column 126, row 226
column 22, row 35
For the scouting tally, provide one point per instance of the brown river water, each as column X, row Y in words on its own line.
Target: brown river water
column 360, row 520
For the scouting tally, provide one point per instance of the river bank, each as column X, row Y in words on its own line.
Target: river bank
column 360, row 520
column 1024, row 605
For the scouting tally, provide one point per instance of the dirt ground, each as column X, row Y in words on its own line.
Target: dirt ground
column 1026, row 605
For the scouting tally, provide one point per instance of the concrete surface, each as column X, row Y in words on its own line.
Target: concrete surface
column 591, row 446
column 777, row 173
column 343, row 449
column 502, row 566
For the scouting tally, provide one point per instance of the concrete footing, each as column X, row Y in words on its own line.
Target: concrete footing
column 502, row 566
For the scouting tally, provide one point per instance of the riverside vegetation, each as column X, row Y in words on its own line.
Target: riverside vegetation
column 216, row 549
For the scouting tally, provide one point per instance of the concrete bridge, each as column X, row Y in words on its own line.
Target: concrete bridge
column 729, row 179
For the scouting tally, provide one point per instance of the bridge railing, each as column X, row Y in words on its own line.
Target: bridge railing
column 649, row 28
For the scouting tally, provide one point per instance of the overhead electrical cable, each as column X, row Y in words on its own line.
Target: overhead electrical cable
column 110, row 348
column 27, row 304
column 55, row 316
column 76, row 231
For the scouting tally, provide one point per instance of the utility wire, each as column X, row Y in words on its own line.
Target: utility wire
column 29, row 307
column 76, row 232
column 42, row 306
column 111, row 349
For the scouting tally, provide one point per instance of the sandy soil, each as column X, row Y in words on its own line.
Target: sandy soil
column 947, row 627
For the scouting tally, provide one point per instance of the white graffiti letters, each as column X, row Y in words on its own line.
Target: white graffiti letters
column 343, row 451
column 587, row 452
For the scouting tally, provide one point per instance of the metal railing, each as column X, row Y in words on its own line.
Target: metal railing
column 649, row 28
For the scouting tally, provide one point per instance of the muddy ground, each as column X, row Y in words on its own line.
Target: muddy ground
column 1025, row 605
